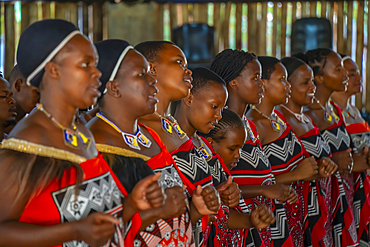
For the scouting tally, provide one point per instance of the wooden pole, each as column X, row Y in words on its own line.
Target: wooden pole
column 9, row 38
column 159, row 22
column 217, row 24
column 226, row 25
column 340, row 38
column 238, row 25
column 283, row 29
column 360, row 45
column 252, row 27
column 349, row 28
column 262, row 31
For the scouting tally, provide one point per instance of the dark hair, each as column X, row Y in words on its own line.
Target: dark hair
column 230, row 63
column 15, row 74
column 150, row 49
column 268, row 66
column 316, row 59
column 203, row 77
column 291, row 64
column 230, row 120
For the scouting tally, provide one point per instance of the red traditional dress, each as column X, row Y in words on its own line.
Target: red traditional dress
column 255, row 169
column 165, row 232
column 360, row 135
column 100, row 191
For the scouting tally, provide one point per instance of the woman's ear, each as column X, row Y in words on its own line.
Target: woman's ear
column 112, row 89
column 233, row 84
column 318, row 79
column 189, row 99
column 52, row 69
column 210, row 140
column 153, row 70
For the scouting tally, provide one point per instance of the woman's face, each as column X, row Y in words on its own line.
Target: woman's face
column 79, row 77
column 303, row 88
column 334, row 75
column 7, row 105
column 136, row 84
column 277, row 88
column 229, row 147
column 173, row 76
column 250, row 85
column 206, row 106
column 354, row 77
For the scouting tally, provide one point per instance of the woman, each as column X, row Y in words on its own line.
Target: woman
column 51, row 172
column 7, row 107
column 289, row 163
column 241, row 72
column 316, row 210
column 168, row 65
column 359, row 130
column 330, row 76
column 125, row 144
column 199, row 112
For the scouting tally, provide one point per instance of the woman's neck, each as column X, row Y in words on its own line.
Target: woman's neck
column 183, row 120
column 266, row 107
column 323, row 95
column 57, row 107
column 294, row 107
column 162, row 107
column 234, row 104
column 341, row 99
column 125, row 122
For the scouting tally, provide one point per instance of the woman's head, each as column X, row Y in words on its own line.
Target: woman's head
column 64, row 63
column 274, row 76
column 242, row 73
column 7, row 105
column 206, row 100
column 327, row 68
column 168, row 64
column 354, row 76
column 228, row 137
column 300, row 77
column 126, row 78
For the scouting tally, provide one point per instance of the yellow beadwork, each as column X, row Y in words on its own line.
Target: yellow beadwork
column 40, row 150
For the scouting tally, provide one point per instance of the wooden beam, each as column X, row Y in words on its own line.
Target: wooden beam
column 217, row 24
column 284, row 16
column 274, row 29
column 203, row 13
column 349, row 28
column 340, row 39
column 173, row 16
column 360, row 45
column 9, row 38
column 367, row 86
column 226, row 25
column 25, row 15
column 304, row 9
column 238, row 26
column 97, row 22
column 294, row 12
column 323, row 9
column 313, row 9
column 159, row 22
column 46, row 10
column 185, row 13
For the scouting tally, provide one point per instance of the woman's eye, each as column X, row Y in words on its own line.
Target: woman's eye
column 232, row 149
column 85, row 65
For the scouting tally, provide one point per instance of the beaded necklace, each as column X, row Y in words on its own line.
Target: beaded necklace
column 301, row 117
column 169, row 127
column 71, row 136
column 132, row 140
column 328, row 116
column 277, row 125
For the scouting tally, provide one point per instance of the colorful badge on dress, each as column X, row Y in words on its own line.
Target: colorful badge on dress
column 204, row 153
column 250, row 132
column 328, row 118
column 85, row 140
column 177, row 128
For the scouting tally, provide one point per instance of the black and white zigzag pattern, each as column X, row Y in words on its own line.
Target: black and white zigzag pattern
column 360, row 141
column 336, row 140
column 169, row 177
column 190, row 168
column 318, row 148
column 255, row 157
column 278, row 229
column 282, row 152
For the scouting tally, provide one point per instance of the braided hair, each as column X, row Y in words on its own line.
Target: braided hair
column 268, row 66
column 151, row 49
column 229, row 121
column 229, row 63
column 316, row 59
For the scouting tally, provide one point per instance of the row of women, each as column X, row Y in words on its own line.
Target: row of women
column 288, row 171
